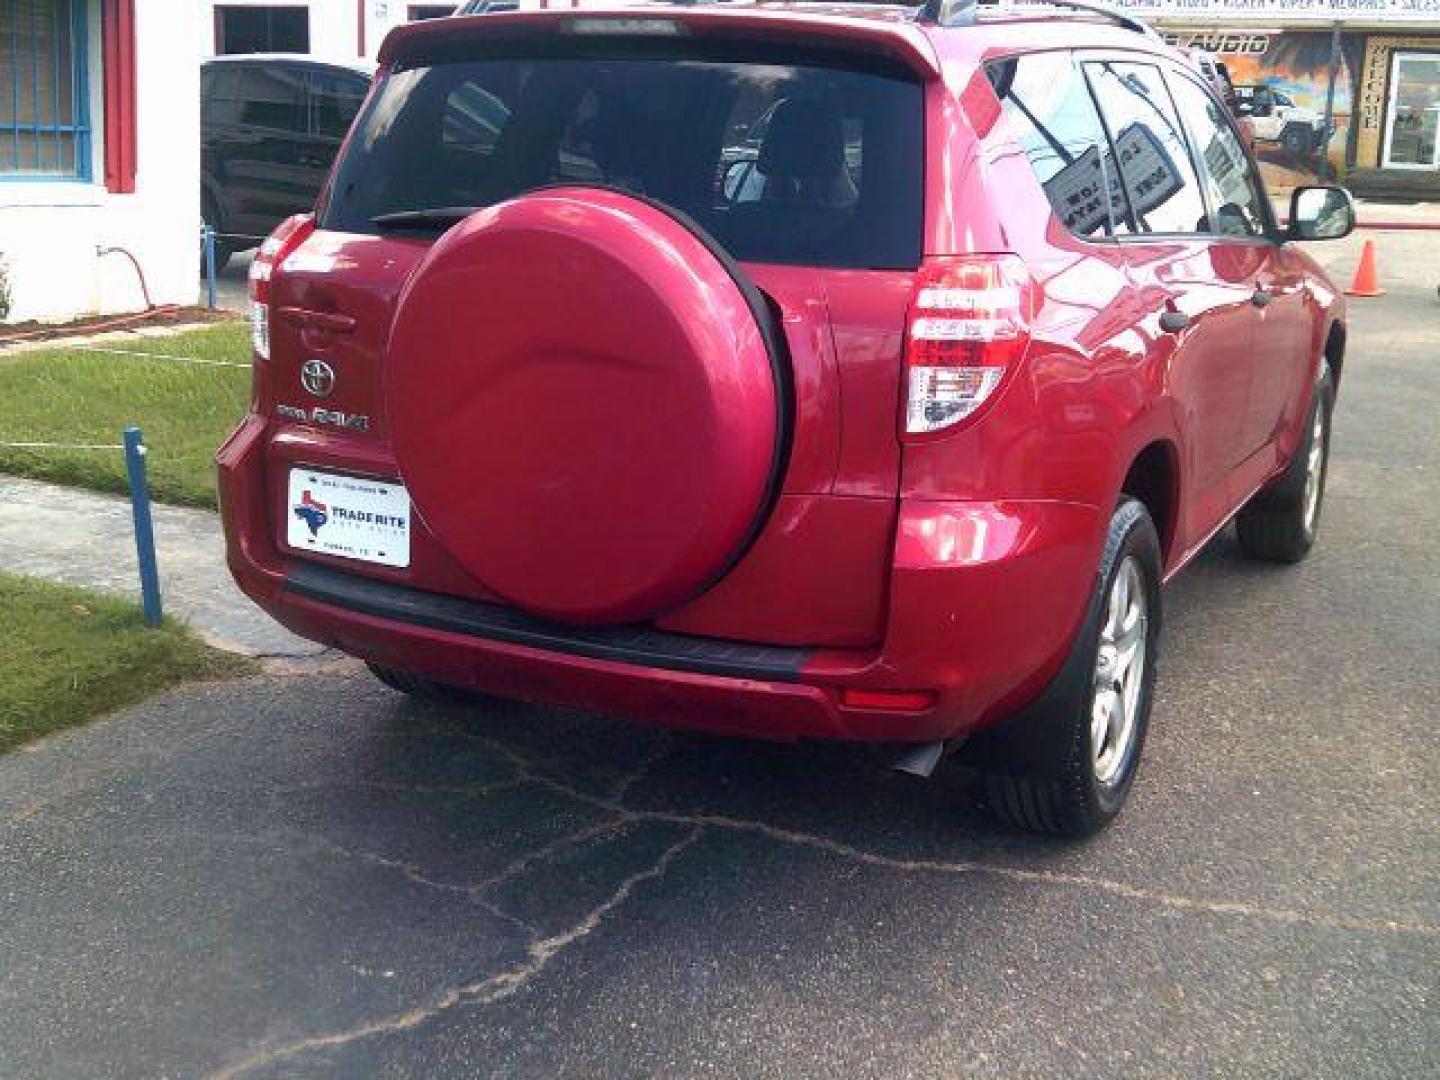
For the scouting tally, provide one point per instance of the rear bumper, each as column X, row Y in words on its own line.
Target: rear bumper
column 984, row 601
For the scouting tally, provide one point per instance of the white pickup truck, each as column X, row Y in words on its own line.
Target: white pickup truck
column 1277, row 119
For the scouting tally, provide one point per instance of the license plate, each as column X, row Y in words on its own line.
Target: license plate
column 353, row 518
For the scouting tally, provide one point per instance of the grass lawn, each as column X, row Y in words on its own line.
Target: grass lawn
column 67, row 655
column 71, row 395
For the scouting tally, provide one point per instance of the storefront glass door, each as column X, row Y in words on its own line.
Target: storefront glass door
column 1414, row 115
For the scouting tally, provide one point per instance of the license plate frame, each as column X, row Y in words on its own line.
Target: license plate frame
column 348, row 517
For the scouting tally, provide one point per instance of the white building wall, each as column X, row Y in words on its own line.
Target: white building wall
column 50, row 231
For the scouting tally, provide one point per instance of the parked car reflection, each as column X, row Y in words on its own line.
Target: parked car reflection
column 271, row 124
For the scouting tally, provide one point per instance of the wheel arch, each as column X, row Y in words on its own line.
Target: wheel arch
column 1334, row 352
column 1154, row 478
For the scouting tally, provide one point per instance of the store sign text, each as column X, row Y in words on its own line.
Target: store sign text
column 1369, row 10
column 1221, row 42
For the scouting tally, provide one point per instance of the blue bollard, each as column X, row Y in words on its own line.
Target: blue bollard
column 207, row 240
column 144, row 530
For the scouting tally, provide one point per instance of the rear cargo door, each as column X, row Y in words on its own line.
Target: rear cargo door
column 805, row 170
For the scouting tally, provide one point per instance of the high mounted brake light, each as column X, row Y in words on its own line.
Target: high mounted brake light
column 969, row 324
column 288, row 235
column 626, row 27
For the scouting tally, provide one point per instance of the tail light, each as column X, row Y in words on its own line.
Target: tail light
column 288, row 235
column 969, row 324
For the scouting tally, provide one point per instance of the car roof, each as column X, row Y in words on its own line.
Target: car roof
column 924, row 45
column 344, row 63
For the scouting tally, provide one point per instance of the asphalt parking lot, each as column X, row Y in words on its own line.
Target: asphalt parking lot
column 310, row 876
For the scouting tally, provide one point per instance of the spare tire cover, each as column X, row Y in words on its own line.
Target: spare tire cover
column 583, row 403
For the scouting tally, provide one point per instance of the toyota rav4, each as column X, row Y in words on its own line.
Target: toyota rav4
column 794, row 371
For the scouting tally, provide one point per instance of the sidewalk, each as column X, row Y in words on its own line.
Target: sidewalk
column 83, row 538
column 1407, row 259
column 1378, row 215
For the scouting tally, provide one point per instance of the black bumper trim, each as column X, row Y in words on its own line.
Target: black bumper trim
column 640, row 645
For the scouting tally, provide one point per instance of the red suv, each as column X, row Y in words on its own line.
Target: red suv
column 787, row 371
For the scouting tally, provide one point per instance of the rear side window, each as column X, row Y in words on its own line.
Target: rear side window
column 1234, row 189
column 1160, row 188
column 1049, row 113
column 272, row 97
column 334, row 101
column 218, row 93
column 782, row 162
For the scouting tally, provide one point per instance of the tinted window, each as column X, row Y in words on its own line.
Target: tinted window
column 272, row 97
column 832, row 159
column 1048, row 112
column 1159, row 181
column 473, row 118
column 217, row 93
column 334, row 101
column 270, row 28
column 1235, row 196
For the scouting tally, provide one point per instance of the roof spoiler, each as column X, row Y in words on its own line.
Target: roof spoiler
column 902, row 41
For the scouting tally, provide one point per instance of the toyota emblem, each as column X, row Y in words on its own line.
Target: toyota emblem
column 318, row 377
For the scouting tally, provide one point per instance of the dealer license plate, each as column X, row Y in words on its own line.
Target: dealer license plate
column 348, row 516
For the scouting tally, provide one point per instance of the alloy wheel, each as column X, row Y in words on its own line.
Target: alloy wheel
column 1314, row 470
column 1119, row 672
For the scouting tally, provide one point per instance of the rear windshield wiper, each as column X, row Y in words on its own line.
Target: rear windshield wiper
column 433, row 217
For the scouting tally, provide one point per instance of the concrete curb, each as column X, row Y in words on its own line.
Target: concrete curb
column 106, row 337
column 84, row 538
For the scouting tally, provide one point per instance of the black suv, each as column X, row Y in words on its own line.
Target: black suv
column 270, row 127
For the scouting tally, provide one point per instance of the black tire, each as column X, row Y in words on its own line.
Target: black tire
column 1274, row 525
column 1296, row 140
column 211, row 216
column 417, row 686
column 1039, row 770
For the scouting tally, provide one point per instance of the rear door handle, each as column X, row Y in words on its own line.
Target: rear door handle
column 1172, row 322
column 1261, row 297
column 332, row 321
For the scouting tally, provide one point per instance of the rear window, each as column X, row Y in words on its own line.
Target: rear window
column 791, row 163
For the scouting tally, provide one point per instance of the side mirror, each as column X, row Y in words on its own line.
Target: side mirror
column 1320, row 213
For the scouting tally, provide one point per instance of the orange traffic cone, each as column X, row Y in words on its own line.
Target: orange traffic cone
column 1367, row 280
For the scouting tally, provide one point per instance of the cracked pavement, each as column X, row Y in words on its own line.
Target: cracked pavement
column 311, row 876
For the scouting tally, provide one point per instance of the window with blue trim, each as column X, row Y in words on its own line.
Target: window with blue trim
column 44, row 91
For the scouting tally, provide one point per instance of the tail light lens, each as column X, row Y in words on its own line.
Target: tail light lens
column 969, row 324
column 288, row 235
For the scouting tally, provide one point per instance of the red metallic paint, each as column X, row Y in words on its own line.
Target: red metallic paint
column 958, row 624
column 819, row 565
column 957, row 566
column 582, row 405
column 867, row 316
